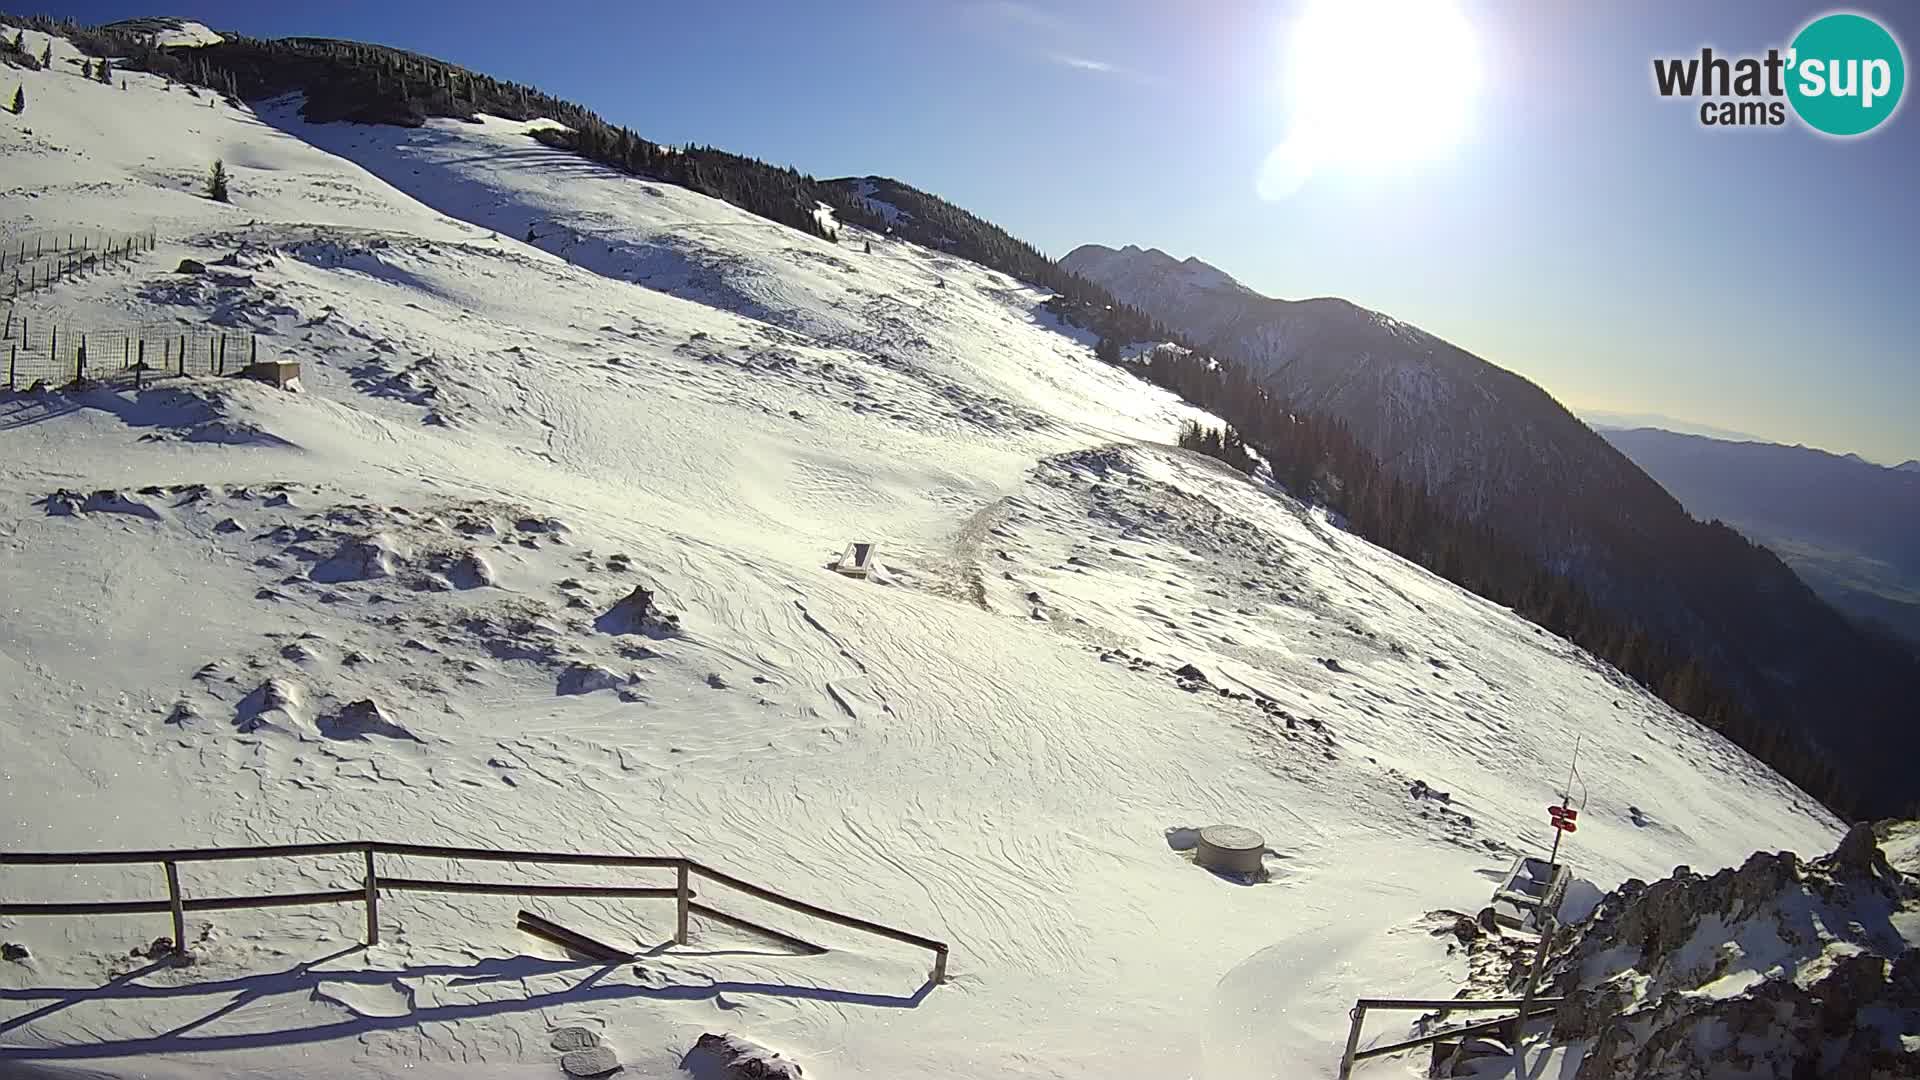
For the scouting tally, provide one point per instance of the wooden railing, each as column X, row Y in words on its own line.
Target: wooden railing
column 372, row 883
column 1530, row 1008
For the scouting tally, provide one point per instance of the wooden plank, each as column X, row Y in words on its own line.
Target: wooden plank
column 817, row 912
column 739, row 923
column 238, row 903
column 683, row 895
column 371, row 883
column 179, row 911
column 434, row 851
column 509, row 888
column 1453, row 1004
column 1436, row 1036
column 204, row 903
column 177, row 855
column 271, row 851
column 1358, row 1016
column 571, row 939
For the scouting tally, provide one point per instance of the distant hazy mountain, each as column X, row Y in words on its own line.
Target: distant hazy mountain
column 1849, row 527
column 1599, row 419
column 1502, row 452
column 1910, row 465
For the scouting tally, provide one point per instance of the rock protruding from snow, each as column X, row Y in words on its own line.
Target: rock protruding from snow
column 360, row 558
column 276, row 703
column 1777, row 969
column 585, row 679
column 635, row 613
column 569, row 1039
column 362, row 718
column 730, row 1057
column 595, row 1061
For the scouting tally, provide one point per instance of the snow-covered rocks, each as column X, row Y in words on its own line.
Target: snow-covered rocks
column 359, row 558
column 1767, row 970
column 730, row 1057
column 359, row 719
column 594, row 1061
column 279, row 704
column 587, row 678
column 568, row 1039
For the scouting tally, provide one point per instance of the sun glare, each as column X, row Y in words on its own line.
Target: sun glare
column 1370, row 84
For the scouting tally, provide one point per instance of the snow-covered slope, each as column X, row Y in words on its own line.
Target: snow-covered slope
column 1501, row 452
column 169, row 31
column 987, row 742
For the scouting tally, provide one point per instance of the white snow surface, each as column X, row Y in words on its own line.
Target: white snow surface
column 987, row 745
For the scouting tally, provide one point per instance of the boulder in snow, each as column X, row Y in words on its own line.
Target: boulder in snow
column 359, row 559
column 568, row 1039
column 595, row 1061
column 359, row 719
column 585, row 679
column 730, row 1057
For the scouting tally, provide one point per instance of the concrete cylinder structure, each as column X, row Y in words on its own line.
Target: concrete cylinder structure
column 1230, row 849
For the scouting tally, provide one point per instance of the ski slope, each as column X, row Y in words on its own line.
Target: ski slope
column 985, row 743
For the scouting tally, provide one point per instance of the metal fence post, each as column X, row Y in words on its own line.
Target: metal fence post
column 13, row 360
column 373, row 900
column 179, row 909
column 682, row 892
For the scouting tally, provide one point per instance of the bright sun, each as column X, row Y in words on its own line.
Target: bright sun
column 1373, row 83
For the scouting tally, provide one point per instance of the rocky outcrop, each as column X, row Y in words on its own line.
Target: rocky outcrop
column 730, row 1057
column 1779, row 969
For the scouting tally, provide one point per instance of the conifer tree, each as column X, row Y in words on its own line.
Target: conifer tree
column 46, row 55
column 217, row 182
column 19, row 100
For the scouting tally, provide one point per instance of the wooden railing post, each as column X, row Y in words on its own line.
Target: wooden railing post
column 179, row 909
column 1359, row 1014
column 940, row 965
column 373, row 900
column 682, row 891
column 1545, row 924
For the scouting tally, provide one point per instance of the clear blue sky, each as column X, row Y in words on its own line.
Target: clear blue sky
column 1586, row 234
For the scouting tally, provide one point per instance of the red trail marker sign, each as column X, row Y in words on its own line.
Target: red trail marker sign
column 1563, row 818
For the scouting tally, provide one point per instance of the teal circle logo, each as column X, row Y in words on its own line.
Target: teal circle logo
column 1845, row 74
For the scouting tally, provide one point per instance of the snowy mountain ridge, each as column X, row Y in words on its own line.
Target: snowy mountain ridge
column 1499, row 451
column 391, row 605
